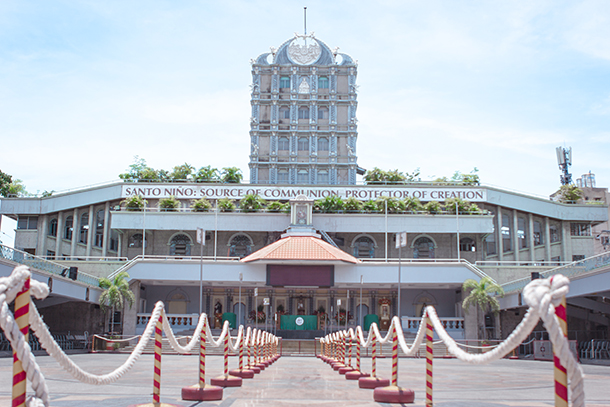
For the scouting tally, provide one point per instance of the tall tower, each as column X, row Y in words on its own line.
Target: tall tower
column 303, row 128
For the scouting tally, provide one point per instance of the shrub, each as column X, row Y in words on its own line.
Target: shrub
column 463, row 206
column 201, row 205
column 394, row 205
column 433, row 207
column 413, row 205
column 251, row 203
column 353, row 205
column 134, row 203
column 474, row 209
column 277, row 206
column 332, row 203
column 370, row 206
column 226, row 205
column 169, row 204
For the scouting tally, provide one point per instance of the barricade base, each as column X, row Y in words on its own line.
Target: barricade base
column 337, row 366
column 154, row 405
column 226, row 381
column 255, row 369
column 345, row 369
column 355, row 375
column 393, row 394
column 372, row 382
column 243, row 373
column 206, row 393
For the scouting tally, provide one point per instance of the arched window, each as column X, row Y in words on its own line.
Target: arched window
column 303, row 144
column 240, row 246
column 322, row 113
column 467, row 245
column 364, row 247
column 423, row 248
column 323, row 82
column 53, row 227
column 490, row 244
column 284, row 112
column 180, row 245
column 285, row 82
column 322, row 177
column 282, row 177
column 302, row 177
column 135, row 241
column 303, row 113
column 323, row 144
column 99, row 228
column 69, row 228
column 84, row 228
column 283, row 144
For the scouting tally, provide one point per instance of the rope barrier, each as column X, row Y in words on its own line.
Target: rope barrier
column 543, row 297
column 15, row 288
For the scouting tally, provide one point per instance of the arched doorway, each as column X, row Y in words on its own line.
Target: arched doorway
column 360, row 315
column 180, row 245
column 177, row 302
column 240, row 313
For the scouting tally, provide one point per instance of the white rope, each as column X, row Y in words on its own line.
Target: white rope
column 9, row 288
column 541, row 295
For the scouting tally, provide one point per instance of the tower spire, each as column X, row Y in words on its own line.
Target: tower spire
column 305, row 19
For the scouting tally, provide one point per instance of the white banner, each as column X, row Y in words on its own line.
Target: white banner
column 268, row 192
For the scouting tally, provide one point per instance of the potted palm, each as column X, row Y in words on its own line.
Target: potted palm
column 169, row 204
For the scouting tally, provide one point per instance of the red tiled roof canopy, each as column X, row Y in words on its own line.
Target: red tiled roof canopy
column 301, row 248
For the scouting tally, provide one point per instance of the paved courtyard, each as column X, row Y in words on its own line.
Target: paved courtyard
column 307, row 381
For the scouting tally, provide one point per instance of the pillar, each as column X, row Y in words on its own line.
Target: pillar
column 516, row 240
column 547, row 239
column 106, row 229
column 59, row 235
column 75, row 232
column 498, row 232
column 530, row 236
column 90, row 231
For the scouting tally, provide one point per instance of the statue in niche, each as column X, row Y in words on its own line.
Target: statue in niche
column 218, row 315
column 300, row 306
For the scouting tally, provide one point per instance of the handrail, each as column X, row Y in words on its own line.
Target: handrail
column 570, row 270
column 157, row 257
column 42, row 264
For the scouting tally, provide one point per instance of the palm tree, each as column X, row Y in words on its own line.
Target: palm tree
column 480, row 295
column 232, row 175
column 116, row 292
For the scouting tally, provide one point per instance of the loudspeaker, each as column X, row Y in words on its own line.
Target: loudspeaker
column 73, row 273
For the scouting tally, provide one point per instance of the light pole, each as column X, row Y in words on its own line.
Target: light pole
column 401, row 241
column 241, row 278
column 256, row 308
column 457, row 226
column 144, row 230
column 201, row 241
column 360, row 321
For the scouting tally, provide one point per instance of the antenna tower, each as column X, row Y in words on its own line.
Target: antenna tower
column 564, row 160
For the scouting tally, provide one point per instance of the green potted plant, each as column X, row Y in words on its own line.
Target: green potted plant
column 353, row 205
column 277, row 206
column 433, row 207
column 169, row 204
column 251, row 203
column 134, row 203
column 201, row 205
column 225, row 205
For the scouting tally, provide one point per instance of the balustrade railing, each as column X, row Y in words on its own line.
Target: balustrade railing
column 42, row 264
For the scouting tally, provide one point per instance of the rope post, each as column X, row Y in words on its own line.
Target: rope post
column 201, row 391
column 22, row 317
column 158, row 351
column 429, row 358
column 394, row 357
column 561, row 376
column 374, row 367
column 202, row 355
column 241, row 353
column 393, row 393
column 226, row 380
column 241, row 372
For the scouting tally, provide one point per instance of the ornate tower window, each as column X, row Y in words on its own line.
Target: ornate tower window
column 323, row 82
column 285, row 82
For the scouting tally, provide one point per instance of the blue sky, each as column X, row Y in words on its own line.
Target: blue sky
column 443, row 85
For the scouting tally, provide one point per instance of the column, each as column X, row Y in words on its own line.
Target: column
column 90, row 231
column 499, row 236
column 120, row 243
column 566, row 241
column 516, row 241
column 530, row 236
column 60, row 234
column 106, row 228
column 43, row 231
column 547, row 239
column 75, row 230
